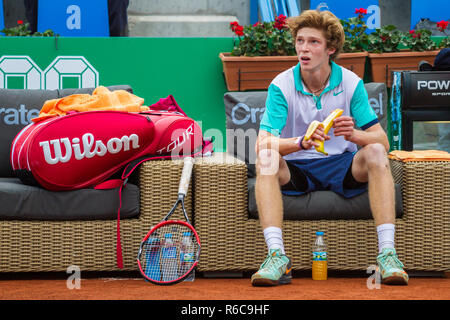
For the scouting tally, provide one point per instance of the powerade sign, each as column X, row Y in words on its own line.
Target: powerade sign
column 426, row 89
column 344, row 9
column 74, row 18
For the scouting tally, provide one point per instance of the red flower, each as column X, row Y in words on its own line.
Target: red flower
column 442, row 25
column 383, row 38
column 281, row 17
column 19, row 21
column 236, row 28
column 361, row 11
column 239, row 30
column 280, row 22
column 233, row 25
column 414, row 34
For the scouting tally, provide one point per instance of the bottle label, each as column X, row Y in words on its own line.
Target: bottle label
column 188, row 257
column 170, row 253
column 319, row 256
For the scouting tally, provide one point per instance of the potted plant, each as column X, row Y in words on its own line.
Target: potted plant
column 354, row 50
column 261, row 51
column 386, row 56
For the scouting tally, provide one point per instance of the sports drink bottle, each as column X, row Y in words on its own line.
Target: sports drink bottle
column 152, row 259
column 319, row 265
column 187, row 256
column 169, row 259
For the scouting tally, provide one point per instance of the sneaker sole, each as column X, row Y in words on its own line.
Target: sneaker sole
column 395, row 280
column 264, row 282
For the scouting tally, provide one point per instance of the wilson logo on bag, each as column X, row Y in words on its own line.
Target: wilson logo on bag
column 89, row 145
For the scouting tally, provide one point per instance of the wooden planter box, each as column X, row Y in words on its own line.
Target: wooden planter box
column 253, row 73
column 256, row 73
column 384, row 63
column 354, row 61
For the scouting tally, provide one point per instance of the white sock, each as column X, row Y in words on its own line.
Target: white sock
column 274, row 238
column 386, row 234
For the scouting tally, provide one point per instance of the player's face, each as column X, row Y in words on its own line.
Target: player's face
column 311, row 48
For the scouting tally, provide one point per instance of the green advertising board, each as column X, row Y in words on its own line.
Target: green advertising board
column 187, row 68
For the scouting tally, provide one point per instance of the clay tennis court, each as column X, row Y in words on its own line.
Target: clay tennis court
column 130, row 286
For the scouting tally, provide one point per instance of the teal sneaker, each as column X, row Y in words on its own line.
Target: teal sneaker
column 275, row 270
column 391, row 268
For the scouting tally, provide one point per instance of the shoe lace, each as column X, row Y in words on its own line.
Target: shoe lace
column 390, row 259
column 272, row 261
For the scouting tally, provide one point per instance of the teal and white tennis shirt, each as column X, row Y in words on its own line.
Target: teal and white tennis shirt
column 290, row 109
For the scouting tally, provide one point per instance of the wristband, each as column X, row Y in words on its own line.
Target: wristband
column 299, row 142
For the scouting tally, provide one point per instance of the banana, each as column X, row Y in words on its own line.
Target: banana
column 328, row 122
column 311, row 128
column 326, row 125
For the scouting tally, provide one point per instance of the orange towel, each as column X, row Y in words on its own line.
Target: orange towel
column 419, row 155
column 101, row 99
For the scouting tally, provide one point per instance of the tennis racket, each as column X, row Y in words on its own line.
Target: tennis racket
column 171, row 249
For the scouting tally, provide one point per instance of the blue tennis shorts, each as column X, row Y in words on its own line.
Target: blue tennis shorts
column 332, row 173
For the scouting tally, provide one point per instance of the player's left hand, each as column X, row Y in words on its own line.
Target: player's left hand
column 344, row 126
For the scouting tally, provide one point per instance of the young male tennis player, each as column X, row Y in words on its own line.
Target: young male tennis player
column 288, row 163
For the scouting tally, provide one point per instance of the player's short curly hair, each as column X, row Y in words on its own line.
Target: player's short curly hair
column 323, row 20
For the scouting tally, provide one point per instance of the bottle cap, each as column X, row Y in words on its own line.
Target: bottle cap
column 168, row 235
column 187, row 234
column 319, row 233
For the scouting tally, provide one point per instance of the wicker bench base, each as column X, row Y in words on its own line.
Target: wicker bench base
column 232, row 241
column 27, row 246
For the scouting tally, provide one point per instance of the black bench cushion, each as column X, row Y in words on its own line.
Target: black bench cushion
column 23, row 202
column 323, row 205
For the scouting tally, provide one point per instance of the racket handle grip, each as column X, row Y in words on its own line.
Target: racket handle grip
column 188, row 163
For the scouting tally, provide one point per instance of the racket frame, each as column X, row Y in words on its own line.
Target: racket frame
column 184, row 183
column 158, row 226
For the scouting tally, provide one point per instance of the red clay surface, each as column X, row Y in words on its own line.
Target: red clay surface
column 135, row 288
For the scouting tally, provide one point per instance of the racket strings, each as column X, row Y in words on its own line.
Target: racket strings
column 165, row 256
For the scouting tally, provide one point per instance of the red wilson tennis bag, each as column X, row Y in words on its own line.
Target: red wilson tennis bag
column 83, row 149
